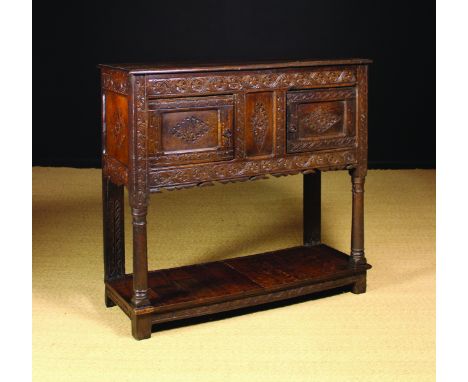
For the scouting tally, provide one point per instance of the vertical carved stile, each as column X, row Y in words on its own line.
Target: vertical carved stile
column 138, row 152
column 362, row 118
column 280, row 135
column 138, row 190
column 240, row 126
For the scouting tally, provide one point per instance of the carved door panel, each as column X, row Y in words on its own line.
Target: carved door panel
column 190, row 130
column 321, row 119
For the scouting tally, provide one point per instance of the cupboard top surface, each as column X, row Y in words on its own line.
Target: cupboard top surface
column 155, row 68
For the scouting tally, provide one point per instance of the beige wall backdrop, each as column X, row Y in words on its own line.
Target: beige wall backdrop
column 387, row 334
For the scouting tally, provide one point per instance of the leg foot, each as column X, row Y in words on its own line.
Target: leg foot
column 141, row 327
column 109, row 303
column 359, row 286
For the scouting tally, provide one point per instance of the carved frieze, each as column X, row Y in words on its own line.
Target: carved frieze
column 256, row 80
column 241, row 169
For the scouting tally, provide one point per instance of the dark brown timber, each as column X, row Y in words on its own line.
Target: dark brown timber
column 167, row 127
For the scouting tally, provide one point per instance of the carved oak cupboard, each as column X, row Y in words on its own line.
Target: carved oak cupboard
column 168, row 127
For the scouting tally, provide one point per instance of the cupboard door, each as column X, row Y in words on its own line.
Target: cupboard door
column 321, row 119
column 191, row 130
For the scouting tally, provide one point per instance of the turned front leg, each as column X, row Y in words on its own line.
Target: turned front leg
column 140, row 258
column 357, row 229
column 113, row 230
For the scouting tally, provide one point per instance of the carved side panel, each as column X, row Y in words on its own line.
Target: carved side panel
column 259, row 124
column 116, row 118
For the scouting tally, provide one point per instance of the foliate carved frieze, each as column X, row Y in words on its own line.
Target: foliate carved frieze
column 168, row 178
column 114, row 80
column 257, row 80
column 115, row 170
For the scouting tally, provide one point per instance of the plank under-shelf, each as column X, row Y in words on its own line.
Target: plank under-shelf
column 200, row 289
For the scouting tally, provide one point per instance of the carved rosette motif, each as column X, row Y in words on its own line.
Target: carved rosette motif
column 242, row 169
column 259, row 122
column 190, row 129
column 320, row 120
column 114, row 80
column 226, row 82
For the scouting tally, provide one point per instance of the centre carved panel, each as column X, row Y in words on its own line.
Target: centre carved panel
column 190, row 129
column 259, row 121
column 259, row 134
column 320, row 120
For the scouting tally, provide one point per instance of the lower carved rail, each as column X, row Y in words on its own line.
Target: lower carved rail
column 180, row 177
